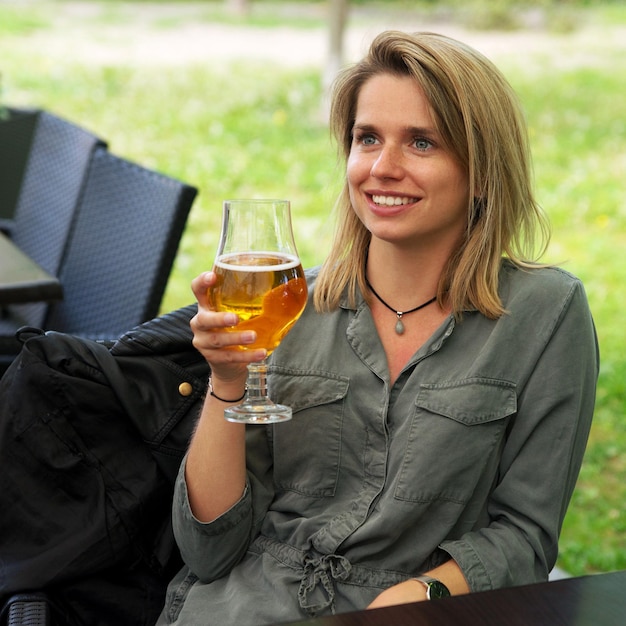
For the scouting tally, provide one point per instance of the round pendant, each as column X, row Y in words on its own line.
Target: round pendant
column 399, row 327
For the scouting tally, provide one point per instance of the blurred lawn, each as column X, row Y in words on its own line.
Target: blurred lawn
column 256, row 129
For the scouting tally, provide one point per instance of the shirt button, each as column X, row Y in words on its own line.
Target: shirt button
column 185, row 389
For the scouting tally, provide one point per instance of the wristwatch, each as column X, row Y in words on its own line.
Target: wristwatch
column 435, row 589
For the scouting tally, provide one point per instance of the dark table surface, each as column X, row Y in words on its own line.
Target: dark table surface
column 598, row 600
column 22, row 280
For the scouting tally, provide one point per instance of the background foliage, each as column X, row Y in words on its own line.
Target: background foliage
column 257, row 128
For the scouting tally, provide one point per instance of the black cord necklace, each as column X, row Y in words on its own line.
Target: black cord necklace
column 399, row 324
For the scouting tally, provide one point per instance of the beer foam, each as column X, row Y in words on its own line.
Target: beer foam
column 260, row 261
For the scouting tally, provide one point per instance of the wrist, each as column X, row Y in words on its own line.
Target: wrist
column 226, row 395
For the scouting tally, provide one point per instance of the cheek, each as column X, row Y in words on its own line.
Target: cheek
column 463, row 192
column 454, row 184
column 354, row 179
column 356, row 169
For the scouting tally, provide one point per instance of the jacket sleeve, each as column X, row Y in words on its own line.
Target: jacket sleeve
column 540, row 461
column 212, row 549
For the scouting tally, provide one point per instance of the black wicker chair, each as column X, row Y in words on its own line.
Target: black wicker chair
column 26, row 609
column 125, row 236
column 112, row 242
column 59, row 155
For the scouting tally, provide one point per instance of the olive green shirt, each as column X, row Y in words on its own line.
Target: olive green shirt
column 472, row 453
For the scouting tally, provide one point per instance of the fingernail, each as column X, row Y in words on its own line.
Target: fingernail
column 230, row 319
column 248, row 336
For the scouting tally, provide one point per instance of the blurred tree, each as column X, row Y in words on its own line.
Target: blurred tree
column 238, row 7
column 337, row 19
column 338, row 16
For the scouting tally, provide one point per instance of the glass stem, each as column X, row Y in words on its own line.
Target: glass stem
column 257, row 407
column 257, row 383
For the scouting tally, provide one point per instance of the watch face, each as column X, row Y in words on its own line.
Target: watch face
column 437, row 590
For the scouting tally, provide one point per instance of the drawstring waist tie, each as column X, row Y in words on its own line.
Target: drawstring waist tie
column 317, row 589
column 319, row 573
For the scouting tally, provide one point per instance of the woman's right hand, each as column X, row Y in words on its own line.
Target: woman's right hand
column 210, row 338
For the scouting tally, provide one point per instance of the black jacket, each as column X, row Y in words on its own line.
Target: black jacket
column 91, row 438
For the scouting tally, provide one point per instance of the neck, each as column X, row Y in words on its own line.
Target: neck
column 403, row 279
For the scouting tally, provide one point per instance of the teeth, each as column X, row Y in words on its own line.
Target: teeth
column 392, row 200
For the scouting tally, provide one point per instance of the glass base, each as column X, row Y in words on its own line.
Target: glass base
column 258, row 413
column 256, row 407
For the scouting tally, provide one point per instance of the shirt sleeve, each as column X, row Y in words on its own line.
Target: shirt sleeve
column 540, row 460
column 212, row 549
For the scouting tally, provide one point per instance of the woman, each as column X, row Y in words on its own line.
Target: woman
column 442, row 382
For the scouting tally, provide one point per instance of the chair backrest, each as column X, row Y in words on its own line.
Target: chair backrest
column 16, row 136
column 59, row 158
column 124, row 239
column 55, row 173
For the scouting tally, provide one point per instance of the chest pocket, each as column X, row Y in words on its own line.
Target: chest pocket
column 307, row 449
column 456, row 429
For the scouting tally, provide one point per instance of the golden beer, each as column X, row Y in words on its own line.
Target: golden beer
column 267, row 291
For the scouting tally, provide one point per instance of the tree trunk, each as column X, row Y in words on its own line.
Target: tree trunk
column 240, row 8
column 337, row 19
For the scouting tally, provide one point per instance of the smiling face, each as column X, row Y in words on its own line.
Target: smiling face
column 405, row 185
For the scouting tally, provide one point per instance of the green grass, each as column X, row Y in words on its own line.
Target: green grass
column 578, row 135
column 256, row 129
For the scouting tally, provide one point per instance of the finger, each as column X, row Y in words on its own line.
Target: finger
column 211, row 338
column 200, row 286
column 224, row 349
column 219, row 358
column 208, row 320
column 215, row 338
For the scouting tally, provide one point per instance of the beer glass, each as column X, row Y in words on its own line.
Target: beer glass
column 260, row 278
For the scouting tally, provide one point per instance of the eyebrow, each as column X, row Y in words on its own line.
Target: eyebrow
column 410, row 130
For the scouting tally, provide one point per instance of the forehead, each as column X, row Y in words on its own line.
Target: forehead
column 389, row 97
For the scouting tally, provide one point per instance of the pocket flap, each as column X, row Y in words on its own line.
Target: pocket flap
column 303, row 390
column 472, row 401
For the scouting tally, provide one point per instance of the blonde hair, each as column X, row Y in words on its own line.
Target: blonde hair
column 478, row 115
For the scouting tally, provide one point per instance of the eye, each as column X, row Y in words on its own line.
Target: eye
column 365, row 139
column 422, row 144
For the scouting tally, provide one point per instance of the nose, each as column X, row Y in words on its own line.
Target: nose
column 388, row 164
